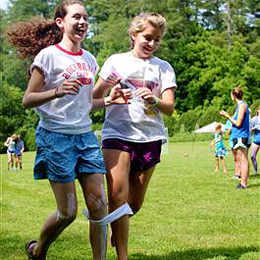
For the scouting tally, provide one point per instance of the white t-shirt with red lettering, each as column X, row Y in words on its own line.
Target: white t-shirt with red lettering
column 70, row 113
column 138, row 121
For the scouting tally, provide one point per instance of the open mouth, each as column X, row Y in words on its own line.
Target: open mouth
column 80, row 31
column 148, row 50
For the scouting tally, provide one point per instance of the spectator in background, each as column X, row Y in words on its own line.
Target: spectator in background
column 228, row 129
column 241, row 133
column 220, row 150
column 10, row 143
column 19, row 148
column 255, row 124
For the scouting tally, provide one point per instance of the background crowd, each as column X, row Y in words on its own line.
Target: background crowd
column 15, row 149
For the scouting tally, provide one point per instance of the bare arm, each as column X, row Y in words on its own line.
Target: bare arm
column 7, row 142
column 229, row 130
column 22, row 150
column 165, row 104
column 116, row 96
column 240, row 116
column 35, row 95
column 102, row 86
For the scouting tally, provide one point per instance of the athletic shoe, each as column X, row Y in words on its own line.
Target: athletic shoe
column 29, row 247
column 240, row 186
column 236, row 177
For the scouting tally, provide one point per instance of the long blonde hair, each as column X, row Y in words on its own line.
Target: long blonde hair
column 139, row 23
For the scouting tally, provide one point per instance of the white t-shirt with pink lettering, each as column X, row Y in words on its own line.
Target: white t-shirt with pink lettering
column 70, row 113
column 138, row 121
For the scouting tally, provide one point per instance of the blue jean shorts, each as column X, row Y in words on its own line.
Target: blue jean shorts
column 63, row 157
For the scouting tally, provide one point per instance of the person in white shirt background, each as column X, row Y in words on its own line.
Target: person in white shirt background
column 255, row 128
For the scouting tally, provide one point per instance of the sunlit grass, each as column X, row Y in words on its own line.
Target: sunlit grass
column 190, row 212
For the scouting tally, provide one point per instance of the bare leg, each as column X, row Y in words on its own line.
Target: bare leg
column 10, row 163
column 254, row 151
column 118, row 167
column 138, row 183
column 244, row 165
column 95, row 199
column 223, row 165
column 217, row 164
column 18, row 161
column 237, row 163
column 65, row 195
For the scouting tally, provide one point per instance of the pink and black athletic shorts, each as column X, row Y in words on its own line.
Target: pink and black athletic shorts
column 142, row 155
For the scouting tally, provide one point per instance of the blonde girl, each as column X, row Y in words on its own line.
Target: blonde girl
column 133, row 133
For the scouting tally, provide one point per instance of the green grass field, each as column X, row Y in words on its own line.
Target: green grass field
column 190, row 212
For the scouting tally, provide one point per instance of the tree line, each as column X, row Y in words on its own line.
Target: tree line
column 213, row 46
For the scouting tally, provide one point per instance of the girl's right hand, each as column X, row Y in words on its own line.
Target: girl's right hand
column 111, row 81
column 224, row 113
column 68, row 87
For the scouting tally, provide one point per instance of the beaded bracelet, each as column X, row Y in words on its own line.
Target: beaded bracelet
column 156, row 101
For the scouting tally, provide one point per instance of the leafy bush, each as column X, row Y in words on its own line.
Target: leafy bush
column 188, row 120
column 171, row 123
column 210, row 115
column 254, row 107
column 29, row 140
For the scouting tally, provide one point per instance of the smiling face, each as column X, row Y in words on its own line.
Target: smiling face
column 74, row 25
column 147, row 41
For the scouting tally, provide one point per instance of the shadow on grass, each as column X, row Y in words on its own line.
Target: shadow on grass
column 254, row 185
column 255, row 176
column 199, row 254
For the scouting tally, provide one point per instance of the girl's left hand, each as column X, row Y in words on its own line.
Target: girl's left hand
column 119, row 95
column 146, row 94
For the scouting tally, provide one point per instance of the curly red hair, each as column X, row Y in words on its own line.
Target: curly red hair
column 30, row 37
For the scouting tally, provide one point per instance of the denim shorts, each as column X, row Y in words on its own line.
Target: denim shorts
column 63, row 157
column 142, row 155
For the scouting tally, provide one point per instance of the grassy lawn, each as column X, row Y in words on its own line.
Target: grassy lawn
column 190, row 212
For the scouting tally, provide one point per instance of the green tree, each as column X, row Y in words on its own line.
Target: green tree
column 188, row 120
column 23, row 10
column 208, row 116
column 254, row 107
column 12, row 113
